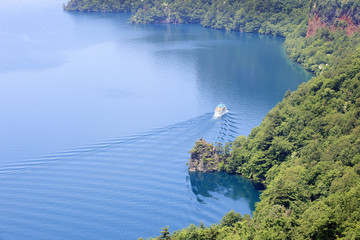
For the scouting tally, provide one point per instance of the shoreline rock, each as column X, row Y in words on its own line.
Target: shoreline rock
column 205, row 158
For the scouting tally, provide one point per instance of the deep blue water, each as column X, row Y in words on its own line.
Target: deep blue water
column 98, row 116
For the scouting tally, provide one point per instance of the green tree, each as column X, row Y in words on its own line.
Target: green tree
column 165, row 233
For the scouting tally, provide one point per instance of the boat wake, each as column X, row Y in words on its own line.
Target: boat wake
column 115, row 186
column 220, row 129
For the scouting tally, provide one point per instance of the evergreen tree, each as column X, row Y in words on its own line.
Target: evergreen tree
column 165, row 233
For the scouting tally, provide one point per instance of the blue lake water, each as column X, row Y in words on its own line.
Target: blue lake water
column 98, row 116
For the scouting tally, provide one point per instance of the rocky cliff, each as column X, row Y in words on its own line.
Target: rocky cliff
column 334, row 15
column 204, row 157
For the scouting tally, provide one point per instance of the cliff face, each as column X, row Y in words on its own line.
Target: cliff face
column 204, row 157
column 334, row 15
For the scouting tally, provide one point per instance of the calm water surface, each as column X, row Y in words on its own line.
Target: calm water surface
column 98, row 116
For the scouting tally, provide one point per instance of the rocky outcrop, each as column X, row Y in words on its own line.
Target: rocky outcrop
column 204, row 157
column 334, row 17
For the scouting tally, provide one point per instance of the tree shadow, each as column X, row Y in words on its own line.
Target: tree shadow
column 229, row 185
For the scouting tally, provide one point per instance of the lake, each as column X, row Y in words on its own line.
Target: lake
column 98, row 116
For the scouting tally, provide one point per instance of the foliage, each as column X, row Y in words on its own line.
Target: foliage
column 165, row 233
column 322, row 51
column 307, row 153
column 268, row 17
column 277, row 17
column 105, row 5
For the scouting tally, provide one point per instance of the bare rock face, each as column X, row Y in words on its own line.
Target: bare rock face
column 344, row 17
column 204, row 157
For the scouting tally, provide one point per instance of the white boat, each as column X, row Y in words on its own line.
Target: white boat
column 220, row 110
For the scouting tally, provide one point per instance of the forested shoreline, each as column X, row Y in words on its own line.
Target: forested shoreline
column 307, row 149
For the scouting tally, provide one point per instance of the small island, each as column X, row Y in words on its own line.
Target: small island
column 205, row 157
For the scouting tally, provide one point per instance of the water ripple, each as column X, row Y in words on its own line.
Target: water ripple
column 123, row 188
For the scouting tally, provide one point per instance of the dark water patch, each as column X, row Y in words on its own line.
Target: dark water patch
column 204, row 185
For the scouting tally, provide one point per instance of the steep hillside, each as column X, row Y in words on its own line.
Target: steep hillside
column 333, row 15
column 268, row 17
column 307, row 153
column 103, row 5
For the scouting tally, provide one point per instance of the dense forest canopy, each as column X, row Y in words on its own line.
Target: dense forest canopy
column 276, row 17
column 307, row 149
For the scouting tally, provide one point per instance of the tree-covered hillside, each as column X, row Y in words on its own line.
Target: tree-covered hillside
column 277, row 17
column 103, row 5
column 307, row 153
column 322, row 111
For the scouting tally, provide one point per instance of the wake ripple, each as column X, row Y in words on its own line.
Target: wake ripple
column 123, row 188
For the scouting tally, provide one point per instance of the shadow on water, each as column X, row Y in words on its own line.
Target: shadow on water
column 228, row 185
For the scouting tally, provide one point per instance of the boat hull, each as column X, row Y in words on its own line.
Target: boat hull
column 218, row 114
